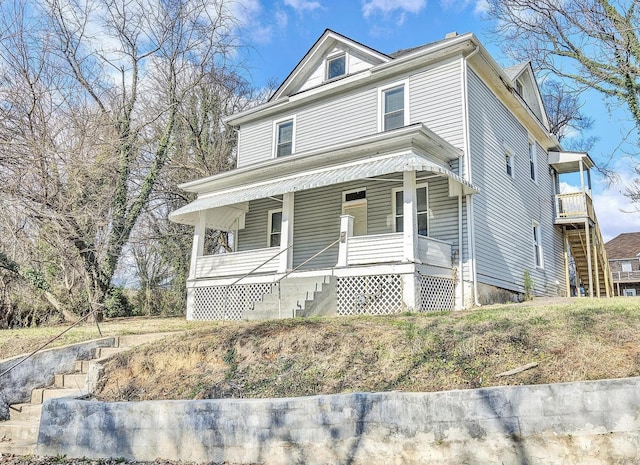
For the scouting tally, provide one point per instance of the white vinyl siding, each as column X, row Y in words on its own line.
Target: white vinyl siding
column 434, row 98
column 354, row 63
column 437, row 100
column 393, row 106
column 503, row 210
column 254, row 235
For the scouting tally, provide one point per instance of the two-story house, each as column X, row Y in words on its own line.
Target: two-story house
column 372, row 183
column 623, row 252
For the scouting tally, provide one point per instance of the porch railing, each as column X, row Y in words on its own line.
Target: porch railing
column 626, row 276
column 434, row 252
column 380, row 248
column 237, row 263
column 574, row 205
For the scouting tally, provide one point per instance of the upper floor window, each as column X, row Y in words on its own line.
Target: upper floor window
column 626, row 267
column 336, row 66
column 510, row 162
column 519, row 88
column 532, row 160
column 284, row 137
column 393, row 111
column 422, row 209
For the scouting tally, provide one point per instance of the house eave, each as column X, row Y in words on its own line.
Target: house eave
column 414, row 136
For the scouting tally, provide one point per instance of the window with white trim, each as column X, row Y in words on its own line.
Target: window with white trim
column 510, row 162
column 537, row 244
column 336, row 66
column 626, row 267
column 393, row 107
column 422, row 209
column 274, row 228
column 532, row 161
column 284, row 137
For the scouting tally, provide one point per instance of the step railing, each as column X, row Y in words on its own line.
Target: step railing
column 277, row 281
column 246, row 275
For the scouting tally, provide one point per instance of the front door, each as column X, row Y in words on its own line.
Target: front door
column 354, row 203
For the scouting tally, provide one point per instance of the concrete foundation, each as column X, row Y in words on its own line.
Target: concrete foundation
column 588, row 423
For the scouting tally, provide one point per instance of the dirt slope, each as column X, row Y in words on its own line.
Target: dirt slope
column 585, row 339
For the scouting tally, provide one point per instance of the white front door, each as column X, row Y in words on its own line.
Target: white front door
column 354, row 203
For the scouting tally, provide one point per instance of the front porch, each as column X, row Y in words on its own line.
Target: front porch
column 370, row 226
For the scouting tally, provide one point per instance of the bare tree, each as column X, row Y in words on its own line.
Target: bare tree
column 593, row 43
column 90, row 97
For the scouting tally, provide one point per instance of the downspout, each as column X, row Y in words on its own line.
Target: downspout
column 471, row 236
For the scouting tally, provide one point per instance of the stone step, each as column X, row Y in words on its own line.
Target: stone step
column 19, row 430
column 70, row 380
column 18, row 448
column 26, row 412
column 38, row 396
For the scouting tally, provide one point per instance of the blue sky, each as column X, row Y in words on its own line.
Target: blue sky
column 280, row 32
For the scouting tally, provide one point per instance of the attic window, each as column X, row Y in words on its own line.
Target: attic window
column 336, row 66
column 519, row 88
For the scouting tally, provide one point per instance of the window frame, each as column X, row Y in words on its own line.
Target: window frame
column 538, row 252
column 276, row 143
column 533, row 161
column 399, row 213
column 629, row 265
column 510, row 165
column 381, row 105
column 328, row 61
column 270, row 233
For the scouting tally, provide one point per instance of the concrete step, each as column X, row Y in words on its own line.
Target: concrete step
column 70, row 380
column 19, row 430
column 38, row 396
column 18, row 448
column 26, row 412
column 106, row 352
column 81, row 366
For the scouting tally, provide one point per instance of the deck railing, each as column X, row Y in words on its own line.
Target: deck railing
column 574, row 205
column 626, row 276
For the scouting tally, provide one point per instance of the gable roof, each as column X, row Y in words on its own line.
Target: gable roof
column 516, row 72
column 625, row 245
column 324, row 44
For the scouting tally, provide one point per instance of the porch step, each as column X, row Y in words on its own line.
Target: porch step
column 70, row 380
column 38, row 396
column 26, row 412
column 18, row 448
column 294, row 298
column 19, row 430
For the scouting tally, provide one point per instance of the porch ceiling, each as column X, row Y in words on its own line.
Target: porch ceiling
column 345, row 172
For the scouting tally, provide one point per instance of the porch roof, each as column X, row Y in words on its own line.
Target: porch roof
column 369, row 167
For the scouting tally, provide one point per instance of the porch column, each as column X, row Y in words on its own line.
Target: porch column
column 409, row 212
column 346, row 231
column 286, row 233
column 197, row 249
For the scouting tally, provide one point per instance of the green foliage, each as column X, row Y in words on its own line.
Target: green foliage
column 117, row 304
column 529, row 285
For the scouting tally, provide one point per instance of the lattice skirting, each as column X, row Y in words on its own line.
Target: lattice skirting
column 372, row 295
column 436, row 293
column 227, row 303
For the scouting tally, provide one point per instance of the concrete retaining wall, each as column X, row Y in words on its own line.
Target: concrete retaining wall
column 587, row 423
column 38, row 371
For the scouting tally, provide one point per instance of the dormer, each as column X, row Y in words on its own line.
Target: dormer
column 526, row 88
column 331, row 58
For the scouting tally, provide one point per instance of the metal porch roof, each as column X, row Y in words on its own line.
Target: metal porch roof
column 336, row 174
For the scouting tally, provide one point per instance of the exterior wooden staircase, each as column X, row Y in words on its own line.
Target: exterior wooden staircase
column 583, row 240
column 19, row 435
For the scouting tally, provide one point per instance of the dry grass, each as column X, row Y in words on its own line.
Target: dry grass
column 584, row 339
column 19, row 341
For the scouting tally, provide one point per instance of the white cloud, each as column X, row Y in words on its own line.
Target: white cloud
column 282, row 19
column 303, row 5
column 248, row 14
column 480, row 7
column 387, row 6
column 616, row 212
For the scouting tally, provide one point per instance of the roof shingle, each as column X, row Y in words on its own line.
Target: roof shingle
column 625, row 245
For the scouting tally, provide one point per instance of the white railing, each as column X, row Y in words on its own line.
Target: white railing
column 626, row 276
column 434, row 252
column 236, row 263
column 379, row 248
column 388, row 248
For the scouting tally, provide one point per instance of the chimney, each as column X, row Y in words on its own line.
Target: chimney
column 451, row 35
